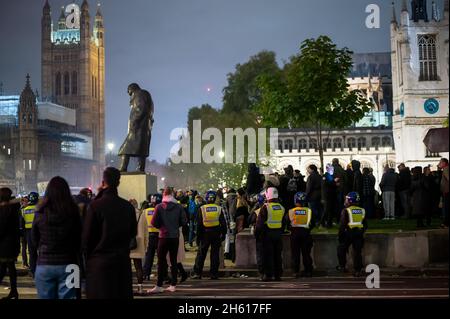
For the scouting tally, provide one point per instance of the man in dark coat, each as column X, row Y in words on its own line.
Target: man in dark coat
column 137, row 142
column 109, row 225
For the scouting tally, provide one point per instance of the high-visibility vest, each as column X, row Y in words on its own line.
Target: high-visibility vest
column 275, row 213
column 149, row 212
column 210, row 215
column 356, row 216
column 28, row 215
column 300, row 217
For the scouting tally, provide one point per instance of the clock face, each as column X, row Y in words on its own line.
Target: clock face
column 431, row 106
column 402, row 109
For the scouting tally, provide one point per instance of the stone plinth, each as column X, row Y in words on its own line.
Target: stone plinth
column 137, row 186
column 402, row 249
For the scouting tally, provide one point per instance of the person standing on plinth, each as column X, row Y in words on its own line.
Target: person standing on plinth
column 137, row 142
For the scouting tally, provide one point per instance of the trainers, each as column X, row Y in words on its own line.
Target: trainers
column 171, row 288
column 156, row 290
column 195, row 276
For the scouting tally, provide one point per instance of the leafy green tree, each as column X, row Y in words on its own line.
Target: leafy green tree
column 312, row 90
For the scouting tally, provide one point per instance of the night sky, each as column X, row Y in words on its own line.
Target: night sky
column 178, row 48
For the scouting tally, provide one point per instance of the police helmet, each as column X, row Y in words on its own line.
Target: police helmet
column 156, row 199
column 352, row 198
column 300, row 198
column 210, row 196
column 33, row 198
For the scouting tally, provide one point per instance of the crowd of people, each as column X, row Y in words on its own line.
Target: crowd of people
column 104, row 234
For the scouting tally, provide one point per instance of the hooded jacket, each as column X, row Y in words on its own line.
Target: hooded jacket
column 169, row 217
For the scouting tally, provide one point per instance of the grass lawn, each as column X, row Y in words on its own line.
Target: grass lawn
column 377, row 226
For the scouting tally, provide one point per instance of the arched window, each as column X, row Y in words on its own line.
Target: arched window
column 313, row 143
column 288, row 144
column 351, row 143
column 280, row 145
column 361, row 143
column 386, row 141
column 337, row 143
column 427, row 57
column 375, row 142
column 66, row 83
column 74, row 83
column 58, row 84
column 302, row 144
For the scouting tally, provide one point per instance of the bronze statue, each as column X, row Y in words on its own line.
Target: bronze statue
column 137, row 142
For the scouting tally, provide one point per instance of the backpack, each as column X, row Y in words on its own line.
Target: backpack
column 292, row 185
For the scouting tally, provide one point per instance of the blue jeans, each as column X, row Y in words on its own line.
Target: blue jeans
column 51, row 282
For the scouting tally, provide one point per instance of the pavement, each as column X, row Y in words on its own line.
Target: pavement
column 395, row 283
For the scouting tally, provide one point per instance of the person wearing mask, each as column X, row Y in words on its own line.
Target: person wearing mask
column 138, row 253
column 261, row 198
column 299, row 221
column 328, row 197
column 351, row 233
column 211, row 232
column 153, row 234
column 443, row 165
column 56, row 234
column 313, row 192
column 28, row 217
column 419, row 196
column 109, row 227
column 270, row 226
column 9, row 239
column 388, row 186
column 168, row 218
column 403, row 189
column 368, row 193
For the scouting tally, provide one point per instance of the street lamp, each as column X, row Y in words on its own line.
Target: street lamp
column 221, row 154
column 110, row 147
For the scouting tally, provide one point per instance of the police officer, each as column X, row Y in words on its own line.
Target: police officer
column 351, row 232
column 28, row 217
column 258, row 240
column 211, row 231
column 270, row 225
column 153, row 234
column 300, row 223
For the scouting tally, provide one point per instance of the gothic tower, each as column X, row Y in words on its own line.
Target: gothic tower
column 27, row 138
column 73, row 72
column 420, row 64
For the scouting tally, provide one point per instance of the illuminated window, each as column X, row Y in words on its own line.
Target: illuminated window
column 58, row 84
column 427, row 57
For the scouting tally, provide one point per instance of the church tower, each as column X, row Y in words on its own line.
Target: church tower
column 420, row 66
column 27, row 138
column 73, row 73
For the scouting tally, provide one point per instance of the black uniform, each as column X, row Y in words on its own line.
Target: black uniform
column 272, row 244
column 301, row 242
column 206, row 237
column 353, row 237
column 258, row 240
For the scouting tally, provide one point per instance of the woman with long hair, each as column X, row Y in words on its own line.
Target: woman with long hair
column 57, row 235
column 9, row 239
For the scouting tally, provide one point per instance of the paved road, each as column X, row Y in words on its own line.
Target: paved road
column 322, row 287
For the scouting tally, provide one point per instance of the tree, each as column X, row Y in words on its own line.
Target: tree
column 312, row 90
